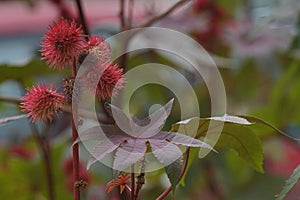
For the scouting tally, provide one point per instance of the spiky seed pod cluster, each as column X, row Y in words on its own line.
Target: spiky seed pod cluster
column 63, row 46
column 42, row 102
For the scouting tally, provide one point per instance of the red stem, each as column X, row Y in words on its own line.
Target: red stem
column 75, row 149
column 132, row 183
column 184, row 167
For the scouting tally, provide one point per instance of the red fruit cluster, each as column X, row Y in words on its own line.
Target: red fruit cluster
column 41, row 102
column 62, row 47
column 67, row 168
column 62, row 44
column 106, row 78
column 97, row 47
column 100, row 72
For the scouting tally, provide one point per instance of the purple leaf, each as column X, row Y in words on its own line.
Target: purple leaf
column 129, row 153
column 164, row 136
column 139, row 122
column 90, row 134
column 99, row 133
column 181, row 139
column 121, row 119
column 103, row 148
column 185, row 140
column 164, row 151
column 131, row 148
column 153, row 123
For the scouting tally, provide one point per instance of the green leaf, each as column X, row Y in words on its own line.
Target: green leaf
column 27, row 72
column 245, row 142
column 257, row 120
column 173, row 171
column 236, row 134
column 289, row 183
column 232, row 119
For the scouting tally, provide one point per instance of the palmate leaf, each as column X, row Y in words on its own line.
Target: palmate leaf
column 131, row 146
column 130, row 149
column 289, row 184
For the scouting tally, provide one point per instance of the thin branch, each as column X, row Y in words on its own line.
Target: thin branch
column 122, row 15
column 164, row 14
column 184, row 167
column 12, row 118
column 10, row 100
column 123, row 58
column 82, row 17
column 130, row 13
column 101, row 118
